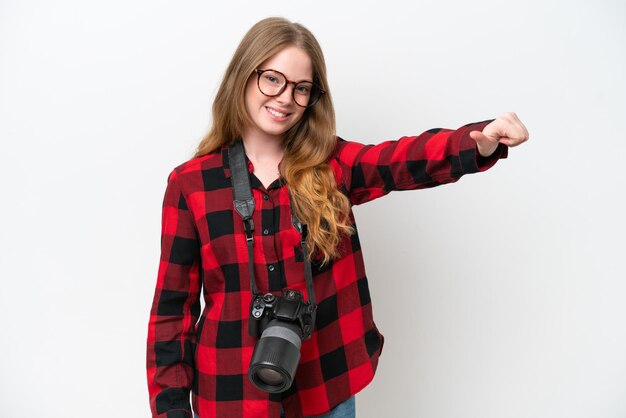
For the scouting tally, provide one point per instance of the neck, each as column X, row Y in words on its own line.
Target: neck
column 260, row 146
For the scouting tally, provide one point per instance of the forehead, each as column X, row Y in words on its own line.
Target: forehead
column 292, row 61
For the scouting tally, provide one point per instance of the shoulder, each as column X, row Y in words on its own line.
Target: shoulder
column 190, row 174
column 212, row 160
column 347, row 152
column 208, row 161
column 337, row 162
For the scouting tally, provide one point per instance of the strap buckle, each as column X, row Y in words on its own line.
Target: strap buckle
column 249, row 226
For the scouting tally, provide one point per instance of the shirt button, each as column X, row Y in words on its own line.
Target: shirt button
column 271, row 267
column 266, row 197
column 266, row 232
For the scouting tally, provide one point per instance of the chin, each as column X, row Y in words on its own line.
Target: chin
column 274, row 131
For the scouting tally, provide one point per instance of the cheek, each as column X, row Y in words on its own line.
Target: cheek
column 253, row 104
column 252, row 98
column 249, row 104
column 298, row 119
column 299, row 115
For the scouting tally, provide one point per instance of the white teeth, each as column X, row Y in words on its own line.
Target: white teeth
column 276, row 113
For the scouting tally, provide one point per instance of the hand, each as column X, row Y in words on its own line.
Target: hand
column 506, row 129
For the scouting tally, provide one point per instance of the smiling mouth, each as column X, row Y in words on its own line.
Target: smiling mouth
column 277, row 113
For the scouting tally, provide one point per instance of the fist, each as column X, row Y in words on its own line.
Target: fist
column 506, row 129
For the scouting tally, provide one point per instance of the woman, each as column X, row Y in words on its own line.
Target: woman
column 275, row 99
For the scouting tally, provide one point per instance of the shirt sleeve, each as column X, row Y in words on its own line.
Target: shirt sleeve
column 175, row 309
column 435, row 157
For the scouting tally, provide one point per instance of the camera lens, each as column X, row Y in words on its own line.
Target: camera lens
column 269, row 376
column 276, row 356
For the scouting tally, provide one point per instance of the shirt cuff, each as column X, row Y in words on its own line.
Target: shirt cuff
column 484, row 163
column 471, row 160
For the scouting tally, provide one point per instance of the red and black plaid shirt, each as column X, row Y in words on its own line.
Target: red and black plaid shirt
column 204, row 247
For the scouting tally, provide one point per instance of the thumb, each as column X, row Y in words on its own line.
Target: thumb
column 486, row 146
column 479, row 137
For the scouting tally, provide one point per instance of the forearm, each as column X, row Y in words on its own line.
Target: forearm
column 435, row 157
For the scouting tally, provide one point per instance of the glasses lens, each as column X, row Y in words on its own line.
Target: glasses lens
column 271, row 83
column 303, row 93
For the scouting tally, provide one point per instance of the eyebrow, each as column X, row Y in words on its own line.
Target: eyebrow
column 288, row 78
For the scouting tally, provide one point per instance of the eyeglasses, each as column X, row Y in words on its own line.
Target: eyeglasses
column 272, row 83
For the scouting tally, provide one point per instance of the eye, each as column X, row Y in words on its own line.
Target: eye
column 271, row 79
column 303, row 89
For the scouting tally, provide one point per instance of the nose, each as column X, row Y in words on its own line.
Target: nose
column 287, row 95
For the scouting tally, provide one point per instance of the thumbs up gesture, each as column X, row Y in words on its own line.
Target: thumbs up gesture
column 506, row 129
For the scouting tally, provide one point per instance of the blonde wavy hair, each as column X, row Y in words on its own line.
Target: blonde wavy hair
column 308, row 145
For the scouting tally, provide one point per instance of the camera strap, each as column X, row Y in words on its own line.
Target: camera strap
column 308, row 275
column 244, row 205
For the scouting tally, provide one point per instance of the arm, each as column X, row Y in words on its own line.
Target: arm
column 435, row 157
column 175, row 309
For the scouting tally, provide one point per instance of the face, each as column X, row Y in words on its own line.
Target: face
column 273, row 116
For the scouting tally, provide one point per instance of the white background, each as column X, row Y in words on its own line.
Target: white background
column 502, row 295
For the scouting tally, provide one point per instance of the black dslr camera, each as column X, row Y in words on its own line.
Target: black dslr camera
column 282, row 323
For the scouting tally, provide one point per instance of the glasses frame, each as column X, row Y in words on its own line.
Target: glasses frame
column 293, row 90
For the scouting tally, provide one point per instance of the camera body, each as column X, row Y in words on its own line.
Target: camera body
column 281, row 323
column 289, row 307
